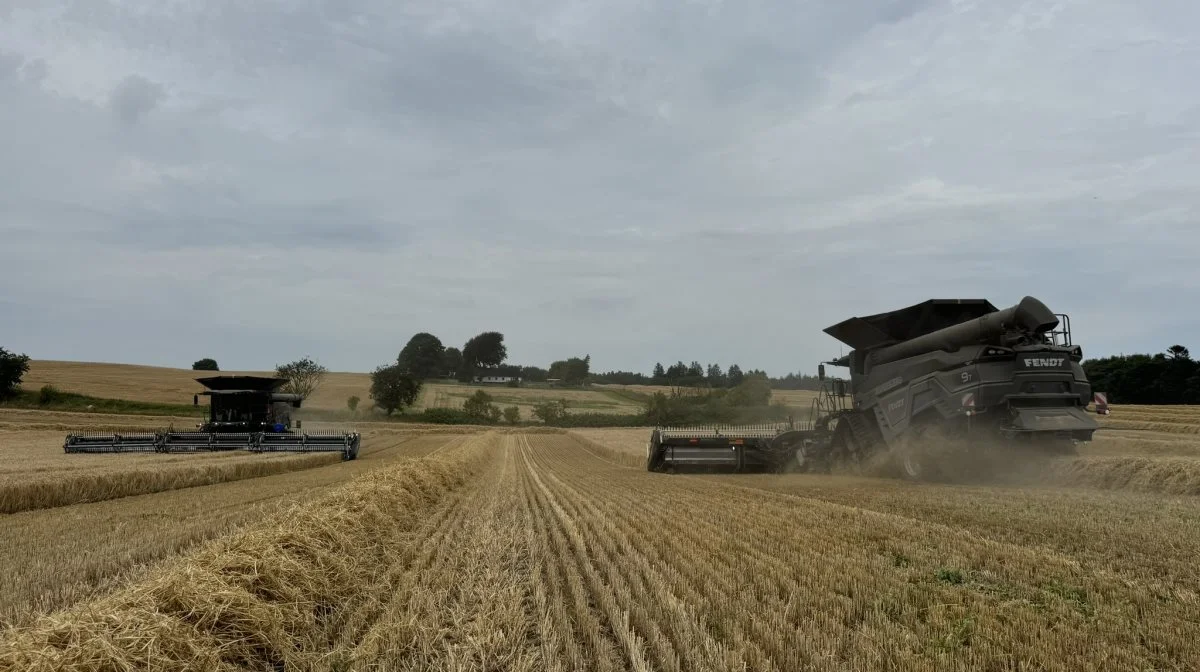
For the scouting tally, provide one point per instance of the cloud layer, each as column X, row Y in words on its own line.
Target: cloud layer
column 640, row 182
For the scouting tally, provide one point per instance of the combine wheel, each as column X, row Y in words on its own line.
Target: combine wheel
column 909, row 458
column 916, row 453
column 811, row 457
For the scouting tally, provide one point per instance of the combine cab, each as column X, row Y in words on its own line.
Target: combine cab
column 244, row 413
column 957, row 375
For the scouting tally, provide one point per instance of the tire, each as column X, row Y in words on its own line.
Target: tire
column 913, row 456
column 912, row 467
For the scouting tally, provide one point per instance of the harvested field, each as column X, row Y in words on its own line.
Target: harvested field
column 55, row 557
column 631, row 441
column 36, row 474
column 1183, row 420
column 535, row 552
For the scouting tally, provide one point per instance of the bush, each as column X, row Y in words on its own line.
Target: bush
column 206, row 364
column 550, row 412
column 48, row 395
column 352, row 403
column 600, row 420
column 480, row 407
column 13, row 368
column 742, row 405
column 445, row 416
column 512, row 414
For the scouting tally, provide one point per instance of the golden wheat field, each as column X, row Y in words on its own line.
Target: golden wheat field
column 473, row 549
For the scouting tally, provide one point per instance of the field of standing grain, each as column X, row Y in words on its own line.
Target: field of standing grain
column 520, row 550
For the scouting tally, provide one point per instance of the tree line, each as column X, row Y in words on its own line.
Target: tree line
column 1169, row 377
column 710, row 376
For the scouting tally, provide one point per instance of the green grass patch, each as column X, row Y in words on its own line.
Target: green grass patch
column 953, row 577
column 1076, row 598
column 626, row 396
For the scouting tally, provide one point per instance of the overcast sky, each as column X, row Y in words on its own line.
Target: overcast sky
column 640, row 181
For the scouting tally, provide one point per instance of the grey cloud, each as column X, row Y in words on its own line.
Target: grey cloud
column 134, row 97
column 589, row 306
column 34, row 71
column 321, row 226
column 10, row 63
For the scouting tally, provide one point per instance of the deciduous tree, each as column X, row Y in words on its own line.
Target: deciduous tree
column 485, row 349
column 13, row 368
column 304, row 376
column 393, row 389
column 572, row 371
column 452, row 362
column 423, row 356
column 206, row 364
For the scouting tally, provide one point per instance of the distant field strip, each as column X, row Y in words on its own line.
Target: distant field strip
column 598, row 400
column 36, row 473
column 30, row 491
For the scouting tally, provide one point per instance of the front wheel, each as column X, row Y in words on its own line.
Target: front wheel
column 916, row 453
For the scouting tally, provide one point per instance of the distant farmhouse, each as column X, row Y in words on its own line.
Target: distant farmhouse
column 496, row 380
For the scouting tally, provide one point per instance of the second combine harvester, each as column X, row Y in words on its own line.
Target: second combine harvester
column 944, row 372
column 244, row 413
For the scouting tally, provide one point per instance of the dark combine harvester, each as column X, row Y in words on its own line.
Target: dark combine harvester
column 952, row 372
column 244, row 413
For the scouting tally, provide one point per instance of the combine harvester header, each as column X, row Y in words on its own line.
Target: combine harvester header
column 724, row 447
column 244, row 413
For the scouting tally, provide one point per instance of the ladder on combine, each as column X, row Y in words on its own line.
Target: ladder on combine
column 831, row 402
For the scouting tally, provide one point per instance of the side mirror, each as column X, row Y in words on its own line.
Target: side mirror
column 821, row 371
